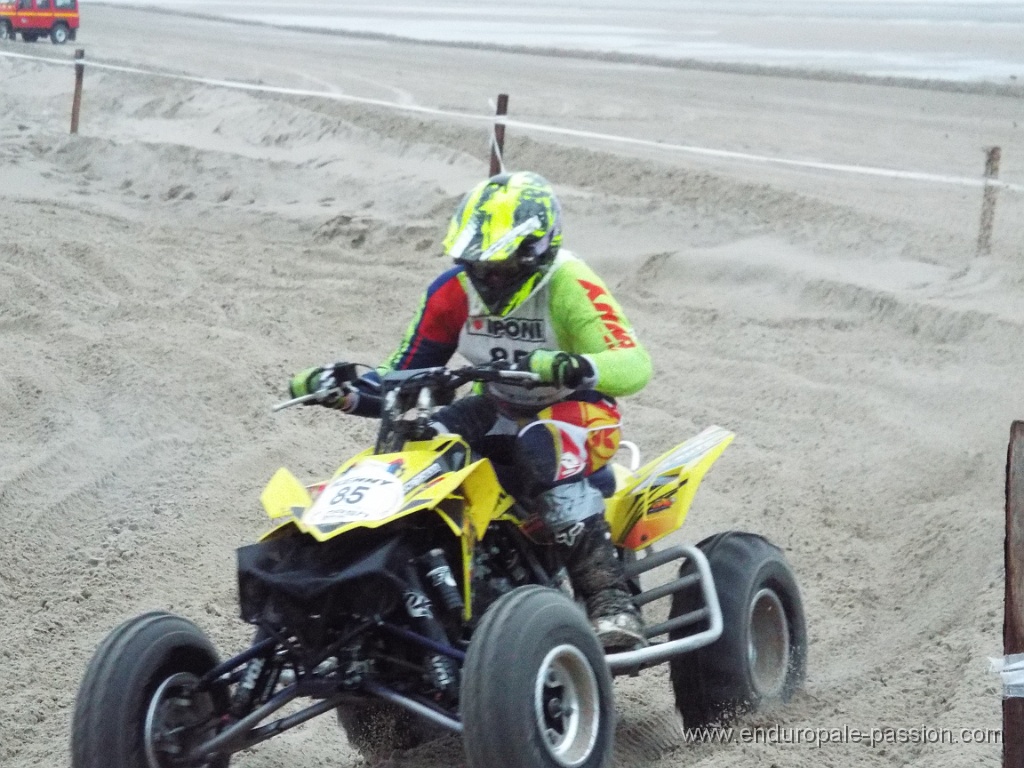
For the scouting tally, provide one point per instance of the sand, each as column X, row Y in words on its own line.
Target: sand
column 163, row 272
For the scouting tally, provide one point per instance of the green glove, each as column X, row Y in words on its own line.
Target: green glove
column 330, row 382
column 559, row 368
column 323, row 382
column 305, row 382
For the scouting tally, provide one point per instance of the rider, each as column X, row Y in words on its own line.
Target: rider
column 514, row 295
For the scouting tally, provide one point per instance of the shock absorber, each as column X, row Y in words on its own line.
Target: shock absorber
column 442, row 582
column 241, row 701
column 514, row 565
column 442, row 669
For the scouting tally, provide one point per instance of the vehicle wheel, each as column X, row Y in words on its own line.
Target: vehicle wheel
column 536, row 692
column 761, row 657
column 377, row 729
column 59, row 34
column 136, row 706
column 29, row 37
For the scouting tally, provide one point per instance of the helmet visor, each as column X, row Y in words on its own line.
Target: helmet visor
column 498, row 276
column 498, row 281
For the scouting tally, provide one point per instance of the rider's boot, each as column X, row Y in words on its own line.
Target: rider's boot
column 575, row 514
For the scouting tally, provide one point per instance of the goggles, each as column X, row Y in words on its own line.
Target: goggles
column 488, row 271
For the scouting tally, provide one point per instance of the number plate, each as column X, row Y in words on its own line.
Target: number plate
column 366, row 492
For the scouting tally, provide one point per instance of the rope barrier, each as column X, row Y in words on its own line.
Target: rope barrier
column 497, row 151
column 721, row 154
column 498, row 134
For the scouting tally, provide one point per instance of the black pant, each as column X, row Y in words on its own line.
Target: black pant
column 527, row 463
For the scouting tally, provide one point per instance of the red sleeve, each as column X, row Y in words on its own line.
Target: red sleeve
column 433, row 334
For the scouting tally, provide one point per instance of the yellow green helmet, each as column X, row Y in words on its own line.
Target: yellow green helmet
column 506, row 232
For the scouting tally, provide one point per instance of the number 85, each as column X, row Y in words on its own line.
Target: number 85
column 349, row 494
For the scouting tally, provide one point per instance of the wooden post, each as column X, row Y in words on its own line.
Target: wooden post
column 76, row 105
column 1013, row 615
column 498, row 140
column 988, row 205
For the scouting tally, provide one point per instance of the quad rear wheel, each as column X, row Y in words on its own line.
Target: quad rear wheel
column 139, row 705
column 536, row 691
column 761, row 656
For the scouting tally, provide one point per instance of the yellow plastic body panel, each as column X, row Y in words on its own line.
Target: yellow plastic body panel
column 285, row 496
column 651, row 503
column 475, row 485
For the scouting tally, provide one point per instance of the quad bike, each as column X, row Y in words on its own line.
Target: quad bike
column 411, row 595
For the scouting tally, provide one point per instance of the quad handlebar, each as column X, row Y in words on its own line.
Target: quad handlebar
column 450, row 379
column 412, row 381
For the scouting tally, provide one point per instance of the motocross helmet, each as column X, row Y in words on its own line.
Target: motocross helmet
column 506, row 232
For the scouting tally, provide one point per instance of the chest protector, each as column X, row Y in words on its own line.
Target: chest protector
column 488, row 338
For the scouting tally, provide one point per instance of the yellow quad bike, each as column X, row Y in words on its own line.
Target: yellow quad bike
column 410, row 594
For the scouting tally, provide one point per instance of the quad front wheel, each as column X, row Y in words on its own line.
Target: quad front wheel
column 139, row 705
column 761, row 656
column 536, row 691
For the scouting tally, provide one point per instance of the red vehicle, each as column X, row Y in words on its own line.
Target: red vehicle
column 57, row 19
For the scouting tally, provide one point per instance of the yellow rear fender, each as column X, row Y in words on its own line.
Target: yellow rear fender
column 652, row 502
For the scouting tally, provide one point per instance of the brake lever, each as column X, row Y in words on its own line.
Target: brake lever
column 520, row 376
column 311, row 397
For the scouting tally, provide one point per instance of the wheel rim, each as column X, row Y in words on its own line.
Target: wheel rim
column 567, row 705
column 768, row 651
column 176, row 720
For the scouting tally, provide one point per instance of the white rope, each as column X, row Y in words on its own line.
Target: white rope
column 722, row 154
column 235, row 85
column 497, row 149
column 729, row 155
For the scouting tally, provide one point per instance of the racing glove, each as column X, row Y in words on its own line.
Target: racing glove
column 329, row 382
column 561, row 369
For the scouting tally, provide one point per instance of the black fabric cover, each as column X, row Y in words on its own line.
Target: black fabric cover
column 284, row 578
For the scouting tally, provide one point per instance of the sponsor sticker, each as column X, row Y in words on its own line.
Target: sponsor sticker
column 517, row 329
column 427, row 474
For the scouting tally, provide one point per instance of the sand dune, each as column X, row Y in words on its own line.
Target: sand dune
column 163, row 273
